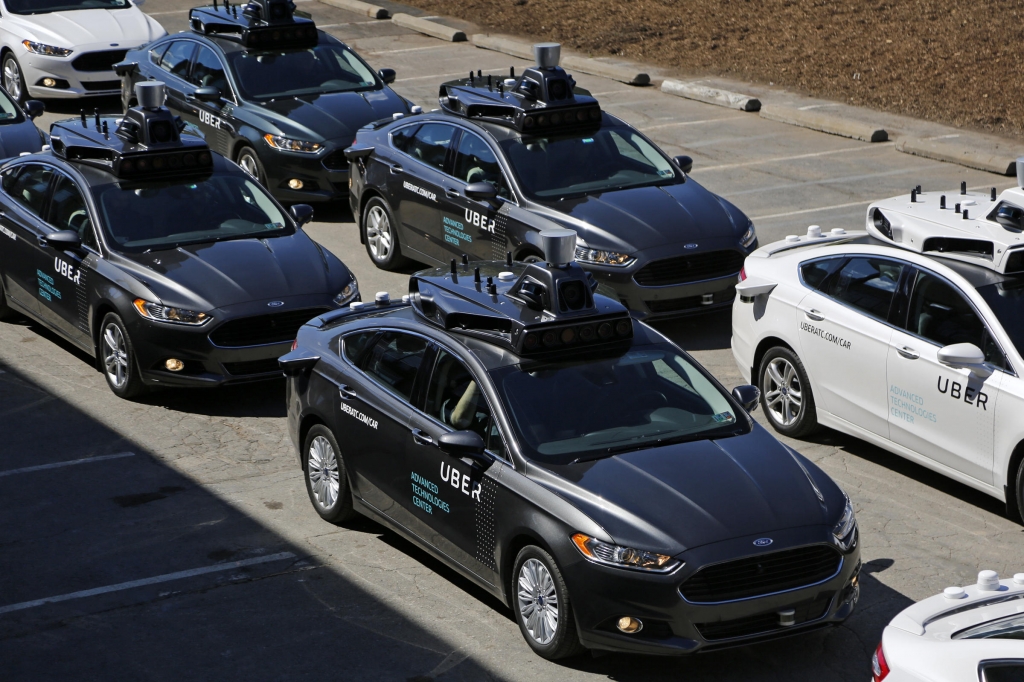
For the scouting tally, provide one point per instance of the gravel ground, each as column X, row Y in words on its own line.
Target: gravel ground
column 952, row 61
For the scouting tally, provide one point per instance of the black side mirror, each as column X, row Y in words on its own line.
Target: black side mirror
column 297, row 362
column 34, row 109
column 66, row 240
column 387, row 75
column 207, row 93
column 684, row 162
column 464, row 444
column 483, row 191
column 301, row 213
column 747, row 396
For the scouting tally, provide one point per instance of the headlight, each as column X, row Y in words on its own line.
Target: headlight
column 155, row 311
column 845, row 531
column 48, row 50
column 350, row 291
column 290, row 145
column 624, row 557
column 749, row 236
column 603, row 257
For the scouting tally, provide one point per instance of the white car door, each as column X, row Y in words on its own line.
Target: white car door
column 844, row 338
column 940, row 412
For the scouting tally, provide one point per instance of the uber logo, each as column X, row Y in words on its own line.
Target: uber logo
column 209, row 119
column 479, row 220
column 460, row 481
column 67, row 270
column 956, row 391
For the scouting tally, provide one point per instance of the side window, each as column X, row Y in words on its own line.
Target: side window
column 456, row 400
column 209, row 72
column 475, row 162
column 867, row 284
column 177, row 57
column 815, row 272
column 430, row 143
column 354, row 346
column 157, row 52
column 68, row 211
column 7, row 178
column 400, row 138
column 30, row 188
column 941, row 314
column 395, row 360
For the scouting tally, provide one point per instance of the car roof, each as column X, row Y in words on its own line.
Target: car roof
column 94, row 175
column 497, row 132
column 229, row 46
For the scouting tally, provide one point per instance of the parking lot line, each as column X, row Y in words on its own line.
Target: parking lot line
column 408, row 49
column 826, row 181
column 218, row 568
column 690, row 123
column 835, row 206
column 54, row 465
column 864, row 148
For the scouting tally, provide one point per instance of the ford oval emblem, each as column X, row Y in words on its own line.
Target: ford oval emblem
column 762, row 542
column 690, row 246
column 276, row 304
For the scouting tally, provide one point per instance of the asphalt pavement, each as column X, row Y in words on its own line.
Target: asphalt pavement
column 184, row 546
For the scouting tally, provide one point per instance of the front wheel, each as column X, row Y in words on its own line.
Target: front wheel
column 250, row 163
column 326, row 477
column 786, row 393
column 542, row 607
column 14, row 81
column 117, row 359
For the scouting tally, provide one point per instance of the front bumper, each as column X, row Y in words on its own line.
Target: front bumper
column 673, row 626
column 72, row 83
column 324, row 175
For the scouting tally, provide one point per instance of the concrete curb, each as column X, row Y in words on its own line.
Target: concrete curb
column 428, row 27
column 365, row 8
column 1002, row 162
column 595, row 67
column 825, row 122
column 709, row 95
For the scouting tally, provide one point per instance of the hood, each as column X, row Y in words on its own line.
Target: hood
column 127, row 28
column 642, row 218
column 18, row 138
column 220, row 274
column 677, row 497
column 332, row 116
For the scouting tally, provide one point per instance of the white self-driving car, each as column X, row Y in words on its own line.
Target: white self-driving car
column 909, row 335
column 965, row 634
column 68, row 48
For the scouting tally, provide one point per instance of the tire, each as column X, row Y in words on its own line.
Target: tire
column 786, row 396
column 380, row 235
column 116, row 356
column 14, row 78
column 549, row 630
column 330, row 494
column 250, row 163
column 1019, row 515
column 6, row 311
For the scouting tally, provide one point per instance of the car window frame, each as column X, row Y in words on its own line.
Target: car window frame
column 61, row 173
column 191, row 60
column 45, row 211
column 449, row 154
column 847, row 257
column 417, row 382
column 506, row 175
column 227, row 96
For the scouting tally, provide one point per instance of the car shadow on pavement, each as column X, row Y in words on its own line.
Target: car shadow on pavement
column 74, row 107
column 707, row 331
column 255, row 399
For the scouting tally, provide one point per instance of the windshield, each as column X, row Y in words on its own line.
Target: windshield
column 586, row 163
column 290, row 73
column 157, row 215
column 44, row 6
column 1011, row 627
column 1006, row 299
column 583, row 409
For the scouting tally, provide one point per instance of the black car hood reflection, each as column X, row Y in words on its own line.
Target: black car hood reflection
column 219, row 274
column 677, row 497
column 333, row 115
column 18, row 138
column 649, row 217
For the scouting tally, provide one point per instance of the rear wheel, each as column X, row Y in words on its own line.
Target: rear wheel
column 117, row 359
column 14, row 80
column 542, row 607
column 786, row 393
column 326, row 477
column 380, row 235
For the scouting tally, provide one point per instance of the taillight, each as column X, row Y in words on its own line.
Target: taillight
column 743, row 273
column 879, row 668
column 295, row 344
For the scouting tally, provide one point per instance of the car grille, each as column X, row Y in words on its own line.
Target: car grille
column 263, row 329
column 336, row 161
column 252, row 367
column 759, row 575
column 682, row 269
column 98, row 61
column 96, row 86
column 675, row 305
column 805, row 612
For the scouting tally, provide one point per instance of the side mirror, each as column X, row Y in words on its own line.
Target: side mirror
column 34, row 109
column 483, row 191
column 684, row 162
column 747, row 396
column 301, row 213
column 964, row 356
column 66, row 240
column 297, row 362
column 207, row 94
column 387, row 75
column 464, row 444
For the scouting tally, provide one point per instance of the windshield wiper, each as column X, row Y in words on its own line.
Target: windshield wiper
column 656, row 443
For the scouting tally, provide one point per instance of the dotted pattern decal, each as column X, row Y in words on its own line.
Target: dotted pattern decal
column 498, row 239
column 82, row 299
column 485, row 531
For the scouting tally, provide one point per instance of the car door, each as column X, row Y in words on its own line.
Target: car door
column 943, row 413
column 28, row 272
column 415, row 185
column 450, row 497
column 176, row 64
column 213, row 118
column 844, row 339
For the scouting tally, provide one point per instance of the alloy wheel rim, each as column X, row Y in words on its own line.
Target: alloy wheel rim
column 378, row 233
column 783, row 394
column 115, row 356
column 248, row 163
column 538, row 601
column 323, row 472
column 12, row 78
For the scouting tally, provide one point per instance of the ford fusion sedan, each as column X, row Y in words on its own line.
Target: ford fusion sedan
column 485, row 421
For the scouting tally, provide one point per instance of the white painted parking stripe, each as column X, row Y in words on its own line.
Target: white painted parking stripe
column 408, row 49
column 826, row 181
column 689, row 123
column 217, row 568
column 349, row 23
column 777, row 159
column 160, row 14
column 439, row 75
column 834, row 207
column 55, row 465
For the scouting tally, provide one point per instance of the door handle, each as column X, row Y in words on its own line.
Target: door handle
column 41, row 240
column 421, row 437
column 346, row 392
column 908, row 352
column 814, row 315
column 452, row 193
column 396, row 169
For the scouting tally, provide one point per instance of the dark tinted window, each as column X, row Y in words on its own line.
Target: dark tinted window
column 30, row 187
column 68, row 210
column 815, row 272
column 455, row 399
column 941, row 314
column 868, row 284
column 209, row 72
column 1008, row 671
column 430, row 144
column 157, row 52
column 394, row 361
column 177, row 57
column 355, row 345
column 400, row 138
column 1006, row 300
column 475, row 162
column 289, row 73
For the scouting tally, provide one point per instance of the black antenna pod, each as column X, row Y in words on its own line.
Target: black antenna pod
column 97, row 113
column 508, row 258
column 511, row 72
column 106, row 130
column 476, row 275
column 84, row 122
column 489, row 83
column 942, row 201
column 963, row 187
column 913, row 196
column 992, row 196
column 465, row 260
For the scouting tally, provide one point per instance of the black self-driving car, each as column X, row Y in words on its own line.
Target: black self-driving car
column 504, row 158
column 269, row 91
column 18, row 134
column 161, row 258
column 519, row 425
